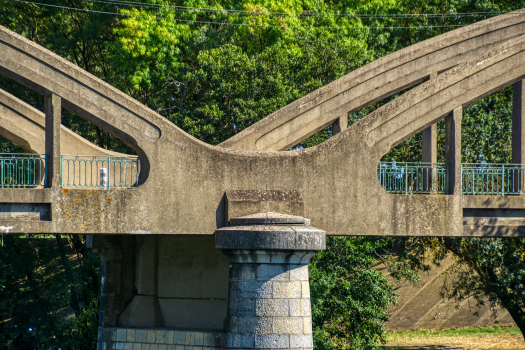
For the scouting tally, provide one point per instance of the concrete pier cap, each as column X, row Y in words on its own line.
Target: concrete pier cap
column 269, row 292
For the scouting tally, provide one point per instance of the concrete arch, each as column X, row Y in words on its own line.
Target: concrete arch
column 374, row 82
column 25, row 126
column 187, row 179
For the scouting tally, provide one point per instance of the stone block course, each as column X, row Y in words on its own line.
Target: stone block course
column 243, row 272
column 301, row 341
column 250, row 289
column 130, row 335
column 241, row 307
column 287, row 290
column 289, row 325
column 160, row 339
column 270, row 272
column 298, row 272
column 272, row 307
column 272, row 341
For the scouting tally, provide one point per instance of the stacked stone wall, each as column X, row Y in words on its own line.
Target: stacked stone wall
column 269, row 307
column 159, row 339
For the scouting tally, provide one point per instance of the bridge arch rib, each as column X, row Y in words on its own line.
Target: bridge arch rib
column 337, row 179
column 374, row 82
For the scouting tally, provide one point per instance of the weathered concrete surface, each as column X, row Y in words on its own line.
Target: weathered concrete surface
column 25, row 126
column 178, row 281
column 185, row 180
column 374, row 82
column 242, row 203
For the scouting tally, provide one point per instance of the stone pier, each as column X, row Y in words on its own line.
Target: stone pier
column 269, row 293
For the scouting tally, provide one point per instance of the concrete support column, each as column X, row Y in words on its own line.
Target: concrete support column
column 453, row 149
column 269, row 293
column 518, row 134
column 339, row 125
column 429, row 148
column 53, row 111
column 429, row 151
column 518, row 124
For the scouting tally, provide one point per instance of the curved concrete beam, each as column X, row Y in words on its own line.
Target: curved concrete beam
column 24, row 125
column 184, row 191
column 374, row 82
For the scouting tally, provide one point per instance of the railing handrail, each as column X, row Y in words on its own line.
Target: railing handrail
column 83, row 171
column 30, row 155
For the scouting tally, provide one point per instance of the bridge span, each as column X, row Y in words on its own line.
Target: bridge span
column 165, row 281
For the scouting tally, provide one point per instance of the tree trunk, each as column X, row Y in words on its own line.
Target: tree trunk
column 519, row 317
column 73, row 301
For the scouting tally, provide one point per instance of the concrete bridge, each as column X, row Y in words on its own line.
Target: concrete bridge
column 165, row 280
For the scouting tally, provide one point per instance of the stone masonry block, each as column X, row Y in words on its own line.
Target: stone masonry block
column 254, row 325
column 131, row 335
column 242, row 307
column 243, row 272
column 154, row 347
column 121, row 335
column 119, row 346
column 272, row 272
column 211, row 339
column 240, row 341
column 160, row 336
column 163, row 347
column 272, row 341
column 136, row 346
column 305, row 289
column 287, row 325
column 168, row 338
column 128, row 346
column 179, row 338
column 296, row 307
column 150, row 336
column 231, row 326
column 307, row 325
column 298, row 272
column 287, row 290
column 199, row 338
column 141, row 335
column 146, row 346
column 250, row 289
column 301, row 341
column 306, row 307
column 272, row 307
column 170, row 347
column 190, row 338
column 179, row 347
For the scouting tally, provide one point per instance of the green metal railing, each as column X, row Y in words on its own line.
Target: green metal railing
column 84, row 171
column 492, row 179
column 413, row 178
column 22, row 170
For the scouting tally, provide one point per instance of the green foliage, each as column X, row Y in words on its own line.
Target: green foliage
column 34, row 293
column 350, row 299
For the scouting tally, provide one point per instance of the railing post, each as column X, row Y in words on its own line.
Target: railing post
column 109, row 172
column 503, row 179
column 406, row 178
column 339, row 125
column 53, row 111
